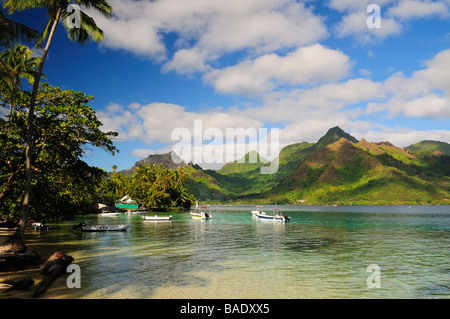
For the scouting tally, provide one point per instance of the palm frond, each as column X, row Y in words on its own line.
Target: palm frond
column 88, row 28
column 101, row 6
column 6, row 80
column 44, row 34
column 20, row 5
column 11, row 30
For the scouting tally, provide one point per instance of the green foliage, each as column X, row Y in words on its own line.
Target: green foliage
column 16, row 63
column 62, row 183
column 352, row 171
column 156, row 187
column 56, row 10
column 112, row 189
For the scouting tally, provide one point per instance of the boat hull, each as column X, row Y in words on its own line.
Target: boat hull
column 102, row 228
column 158, row 218
column 272, row 218
column 201, row 215
column 109, row 214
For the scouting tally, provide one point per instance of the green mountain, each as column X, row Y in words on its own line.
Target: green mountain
column 243, row 177
column 362, row 173
column 430, row 146
column 250, row 162
column 203, row 185
column 292, row 155
column 333, row 135
column 336, row 169
column 166, row 159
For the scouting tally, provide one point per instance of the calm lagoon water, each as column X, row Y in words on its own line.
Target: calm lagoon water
column 323, row 253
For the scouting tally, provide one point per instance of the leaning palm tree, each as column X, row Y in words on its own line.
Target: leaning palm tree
column 57, row 10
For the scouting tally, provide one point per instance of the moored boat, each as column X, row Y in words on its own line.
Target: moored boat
column 200, row 215
column 157, row 218
column 109, row 214
column 100, row 228
column 276, row 217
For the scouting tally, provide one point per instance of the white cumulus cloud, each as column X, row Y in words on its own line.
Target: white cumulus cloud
column 304, row 66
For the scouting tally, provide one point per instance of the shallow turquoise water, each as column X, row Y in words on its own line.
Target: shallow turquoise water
column 323, row 253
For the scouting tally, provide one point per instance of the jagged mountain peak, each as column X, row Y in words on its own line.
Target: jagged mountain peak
column 166, row 159
column 333, row 135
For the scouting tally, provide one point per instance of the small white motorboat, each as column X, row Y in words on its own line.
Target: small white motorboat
column 110, row 214
column 100, row 228
column 200, row 215
column 276, row 217
column 157, row 218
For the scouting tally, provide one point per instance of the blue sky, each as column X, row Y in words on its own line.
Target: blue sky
column 300, row 66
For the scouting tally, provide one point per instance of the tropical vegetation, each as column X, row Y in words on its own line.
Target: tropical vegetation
column 45, row 132
column 62, row 182
column 154, row 187
column 57, row 11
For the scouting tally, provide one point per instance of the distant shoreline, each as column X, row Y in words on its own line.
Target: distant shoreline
column 443, row 203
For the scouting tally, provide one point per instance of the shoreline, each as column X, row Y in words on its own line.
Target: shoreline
column 55, row 291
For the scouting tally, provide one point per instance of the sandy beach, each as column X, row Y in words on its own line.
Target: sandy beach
column 57, row 290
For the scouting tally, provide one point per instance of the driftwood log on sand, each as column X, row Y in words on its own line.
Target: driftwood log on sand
column 52, row 268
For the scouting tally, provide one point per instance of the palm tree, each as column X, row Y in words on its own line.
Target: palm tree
column 56, row 9
column 182, row 175
column 16, row 63
column 11, row 31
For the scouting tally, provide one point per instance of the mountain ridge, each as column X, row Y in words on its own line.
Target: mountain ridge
column 338, row 168
column 429, row 145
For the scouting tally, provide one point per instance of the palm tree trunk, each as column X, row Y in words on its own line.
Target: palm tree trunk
column 30, row 127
